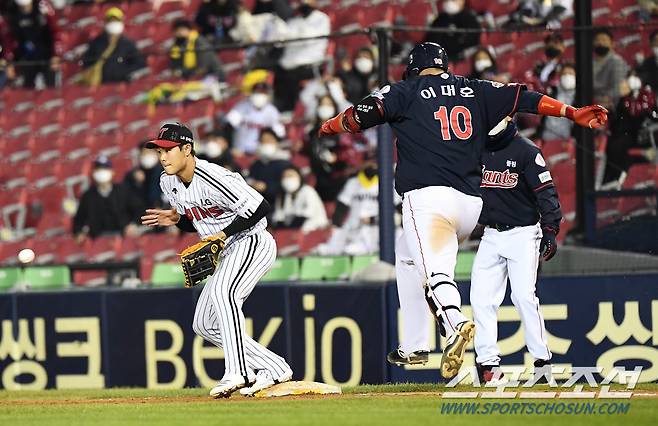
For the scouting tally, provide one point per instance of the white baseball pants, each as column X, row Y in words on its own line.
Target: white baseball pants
column 514, row 254
column 218, row 317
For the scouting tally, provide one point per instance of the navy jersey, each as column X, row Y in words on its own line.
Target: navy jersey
column 441, row 122
column 517, row 188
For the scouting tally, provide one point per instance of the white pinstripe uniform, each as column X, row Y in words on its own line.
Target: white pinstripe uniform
column 214, row 198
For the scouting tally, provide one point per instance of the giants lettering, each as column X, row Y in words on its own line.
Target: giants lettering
column 494, row 179
column 198, row 213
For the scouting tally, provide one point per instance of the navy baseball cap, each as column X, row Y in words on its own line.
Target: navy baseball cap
column 171, row 135
column 102, row 162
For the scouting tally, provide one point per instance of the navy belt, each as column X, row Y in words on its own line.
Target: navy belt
column 500, row 227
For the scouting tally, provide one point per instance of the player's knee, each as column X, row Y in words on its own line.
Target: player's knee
column 523, row 298
column 200, row 329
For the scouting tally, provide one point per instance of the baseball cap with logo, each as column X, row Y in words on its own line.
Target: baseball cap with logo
column 171, row 135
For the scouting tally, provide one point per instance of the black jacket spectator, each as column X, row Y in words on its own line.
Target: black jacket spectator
column 98, row 215
column 356, row 81
column 143, row 182
column 31, row 34
column 191, row 55
column 456, row 43
column 216, row 17
column 124, row 60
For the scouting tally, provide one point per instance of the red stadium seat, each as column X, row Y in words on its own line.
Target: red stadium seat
column 102, row 249
column 9, row 251
column 640, row 176
column 558, row 150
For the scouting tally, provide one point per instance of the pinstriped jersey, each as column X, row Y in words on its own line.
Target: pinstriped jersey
column 214, row 198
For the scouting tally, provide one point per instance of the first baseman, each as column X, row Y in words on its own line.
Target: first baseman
column 441, row 121
column 522, row 217
column 213, row 201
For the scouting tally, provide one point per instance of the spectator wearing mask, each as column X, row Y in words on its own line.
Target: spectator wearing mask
column 192, row 57
column 485, row 68
column 355, row 229
column 326, row 85
column 357, row 80
column 106, row 208
column 249, row 116
column 298, row 206
column 554, row 128
column 299, row 60
column 32, row 34
column 648, row 71
column 609, row 70
column 635, row 108
column 143, row 182
column 111, row 57
column 215, row 18
column 327, row 153
column 265, row 172
column 455, row 15
column 216, row 149
column 547, row 71
column 541, row 12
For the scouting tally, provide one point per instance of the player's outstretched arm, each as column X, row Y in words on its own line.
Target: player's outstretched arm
column 592, row 116
column 367, row 113
column 159, row 217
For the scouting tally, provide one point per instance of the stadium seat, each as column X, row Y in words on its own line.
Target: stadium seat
column 284, row 269
column 464, row 265
column 167, row 275
column 9, row 277
column 315, row 268
column 359, row 263
column 47, row 277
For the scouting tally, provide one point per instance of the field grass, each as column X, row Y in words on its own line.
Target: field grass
column 402, row 404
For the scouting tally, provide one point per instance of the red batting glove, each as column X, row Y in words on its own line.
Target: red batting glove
column 592, row 116
column 332, row 126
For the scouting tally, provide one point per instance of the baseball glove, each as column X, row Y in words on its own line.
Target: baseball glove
column 200, row 260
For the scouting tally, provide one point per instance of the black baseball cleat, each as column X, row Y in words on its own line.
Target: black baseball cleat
column 453, row 354
column 542, row 370
column 397, row 357
column 491, row 375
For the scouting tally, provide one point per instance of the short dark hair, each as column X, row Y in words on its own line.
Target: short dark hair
column 181, row 23
column 270, row 131
column 554, row 37
column 606, row 31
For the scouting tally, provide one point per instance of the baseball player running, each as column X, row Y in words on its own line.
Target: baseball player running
column 522, row 217
column 441, row 122
column 211, row 200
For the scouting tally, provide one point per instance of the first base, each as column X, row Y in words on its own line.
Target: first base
column 298, row 388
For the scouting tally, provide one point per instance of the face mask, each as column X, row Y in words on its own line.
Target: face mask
column 451, row 7
column 267, row 151
column 259, row 100
column 634, row 83
column 325, row 112
column 114, row 27
column 290, row 184
column 363, row 65
column 305, row 10
column 214, row 150
column 148, row 161
column 568, row 81
column 552, row 52
column 601, row 50
column 102, row 176
column 482, row 64
column 23, row 3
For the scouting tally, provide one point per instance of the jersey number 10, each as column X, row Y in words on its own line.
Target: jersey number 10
column 462, row 133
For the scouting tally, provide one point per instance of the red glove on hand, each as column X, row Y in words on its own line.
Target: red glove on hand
column 592, row 116
column 331, row 126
